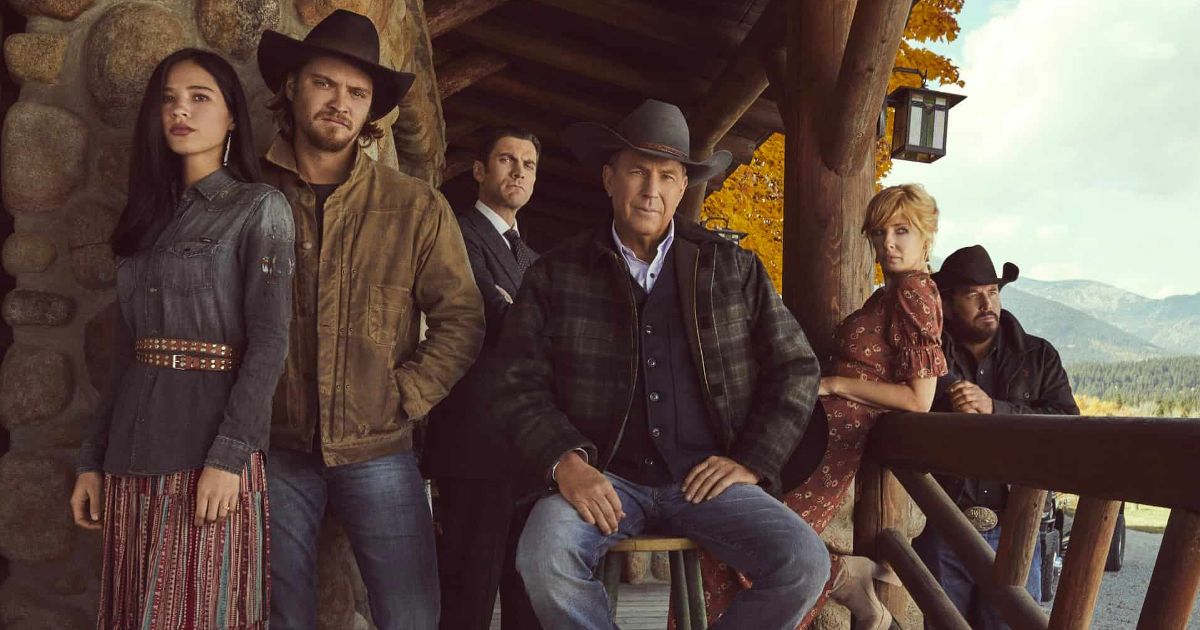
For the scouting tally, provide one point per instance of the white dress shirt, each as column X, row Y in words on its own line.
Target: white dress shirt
column 496, row 221
column 646, row 273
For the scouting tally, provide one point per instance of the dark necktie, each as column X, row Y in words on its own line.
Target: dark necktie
column 519, row 249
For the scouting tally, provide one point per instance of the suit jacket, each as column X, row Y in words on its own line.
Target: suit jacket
column 463, row 440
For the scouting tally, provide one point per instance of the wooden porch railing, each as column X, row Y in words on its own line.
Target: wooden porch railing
column 1153, row 461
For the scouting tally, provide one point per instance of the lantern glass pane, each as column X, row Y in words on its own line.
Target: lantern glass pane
column 915, row 122
column 941, row 100
column 939, row 129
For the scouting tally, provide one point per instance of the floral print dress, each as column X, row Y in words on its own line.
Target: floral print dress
column 893, row 338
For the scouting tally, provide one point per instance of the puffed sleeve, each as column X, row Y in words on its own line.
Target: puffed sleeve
column 915, row 329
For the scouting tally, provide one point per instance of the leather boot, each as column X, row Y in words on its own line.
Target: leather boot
column 855, row 589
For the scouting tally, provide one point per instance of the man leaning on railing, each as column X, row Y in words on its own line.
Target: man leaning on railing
column 995, row 367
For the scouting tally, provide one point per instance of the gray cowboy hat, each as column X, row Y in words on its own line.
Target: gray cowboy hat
column 655, row 128
column 972, row 266
column 342, row 34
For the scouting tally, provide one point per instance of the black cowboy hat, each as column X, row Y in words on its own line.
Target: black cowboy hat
column 972, row 266
column 655, row 128
column 345, row 35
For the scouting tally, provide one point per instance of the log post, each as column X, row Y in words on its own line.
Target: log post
column 826, row 260
column 1083, row 569
column 1018, row 534
column 1176, row 578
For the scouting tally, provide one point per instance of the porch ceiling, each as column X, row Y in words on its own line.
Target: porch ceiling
column 543, row 64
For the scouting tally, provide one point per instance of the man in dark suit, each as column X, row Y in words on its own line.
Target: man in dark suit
column 468, row 458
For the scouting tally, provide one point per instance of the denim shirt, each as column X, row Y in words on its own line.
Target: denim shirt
column 219, row 272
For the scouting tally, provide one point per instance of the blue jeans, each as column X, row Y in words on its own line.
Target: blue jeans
column 381, row 504
column 743, row 527
column 954, row 578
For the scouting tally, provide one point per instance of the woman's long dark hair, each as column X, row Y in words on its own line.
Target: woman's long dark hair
column 156, row 172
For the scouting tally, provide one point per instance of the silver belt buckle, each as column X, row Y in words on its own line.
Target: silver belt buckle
column 177, row 361
column 982, row 518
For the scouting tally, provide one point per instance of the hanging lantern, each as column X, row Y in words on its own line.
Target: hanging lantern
column 919, row 129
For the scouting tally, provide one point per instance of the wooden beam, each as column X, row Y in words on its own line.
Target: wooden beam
column 587, row 62
column 1018, row 534
column 572, row 107
column 739, row 85
column 1143, row 460
column 442, row 16
column 774, row 61
column 591, row 198
column 461, row 72
column 926, row 592
column 1013, row 602
column 457, row 163
column 459, row 127
column 495, row 115
column 862, row 83
column 1176, row 578
column 763, row 114
column 641, row 18
column 742, row 148
column 1083, row 568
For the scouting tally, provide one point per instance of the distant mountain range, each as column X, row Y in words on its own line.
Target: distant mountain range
column 1094, row 322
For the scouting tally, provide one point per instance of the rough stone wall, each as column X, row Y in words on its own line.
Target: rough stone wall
column 82, row 66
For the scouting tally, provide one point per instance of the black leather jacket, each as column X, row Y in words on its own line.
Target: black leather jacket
column 1029, row 379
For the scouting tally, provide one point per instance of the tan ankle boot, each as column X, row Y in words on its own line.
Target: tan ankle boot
column 855, row 589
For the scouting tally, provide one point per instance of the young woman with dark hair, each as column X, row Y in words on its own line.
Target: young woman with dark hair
column 171, row 466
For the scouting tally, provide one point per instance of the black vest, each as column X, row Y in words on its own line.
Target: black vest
column 667, row 432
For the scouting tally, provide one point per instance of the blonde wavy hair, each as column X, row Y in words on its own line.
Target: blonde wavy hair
column 909, row 202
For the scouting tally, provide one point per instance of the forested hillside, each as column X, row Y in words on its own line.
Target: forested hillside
column 1169, row 386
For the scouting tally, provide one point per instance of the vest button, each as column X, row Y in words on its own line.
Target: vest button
column 649, row 461
column 655, row 396
column 655, row 432
column 307, row 245
column 648, row 329
column 651, row 362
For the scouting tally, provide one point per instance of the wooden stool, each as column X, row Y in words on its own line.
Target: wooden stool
column 687, row 590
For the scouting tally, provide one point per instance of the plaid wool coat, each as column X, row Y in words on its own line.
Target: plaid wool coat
column 570, row 353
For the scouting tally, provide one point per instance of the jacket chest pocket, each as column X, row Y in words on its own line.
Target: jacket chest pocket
column 188, row 266
column 387, row 307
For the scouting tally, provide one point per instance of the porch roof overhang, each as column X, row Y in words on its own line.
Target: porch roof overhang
column 543, row 64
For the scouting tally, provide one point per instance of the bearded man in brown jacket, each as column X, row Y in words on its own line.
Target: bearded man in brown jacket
column 376, row 249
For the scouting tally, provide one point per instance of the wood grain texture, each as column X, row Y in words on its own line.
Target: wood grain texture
column 1083, row 568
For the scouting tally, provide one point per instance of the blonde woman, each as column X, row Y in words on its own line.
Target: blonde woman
column 887, row 357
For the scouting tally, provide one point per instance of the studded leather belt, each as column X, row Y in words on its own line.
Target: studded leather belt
column 182, row 354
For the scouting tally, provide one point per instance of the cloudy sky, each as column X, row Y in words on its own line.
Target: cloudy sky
column 1077, row 151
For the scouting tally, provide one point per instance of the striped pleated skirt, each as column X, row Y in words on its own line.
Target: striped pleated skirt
column 162, row 571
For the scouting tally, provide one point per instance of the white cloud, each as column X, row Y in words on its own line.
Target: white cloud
column 1056, row 271
column 1075, row 149
column 1051, row 232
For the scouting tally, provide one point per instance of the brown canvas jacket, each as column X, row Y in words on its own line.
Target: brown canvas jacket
column 570, row 350
column 356, row 370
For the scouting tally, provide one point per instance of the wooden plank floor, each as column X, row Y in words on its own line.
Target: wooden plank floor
column 639, row 607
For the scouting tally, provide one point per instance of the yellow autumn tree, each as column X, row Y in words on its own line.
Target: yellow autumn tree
column 751, row 199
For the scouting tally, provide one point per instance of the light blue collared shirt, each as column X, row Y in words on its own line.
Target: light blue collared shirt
column 496, row 221
column 646, row 273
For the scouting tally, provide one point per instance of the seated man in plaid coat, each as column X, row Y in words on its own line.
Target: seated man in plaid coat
column 654, row 377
